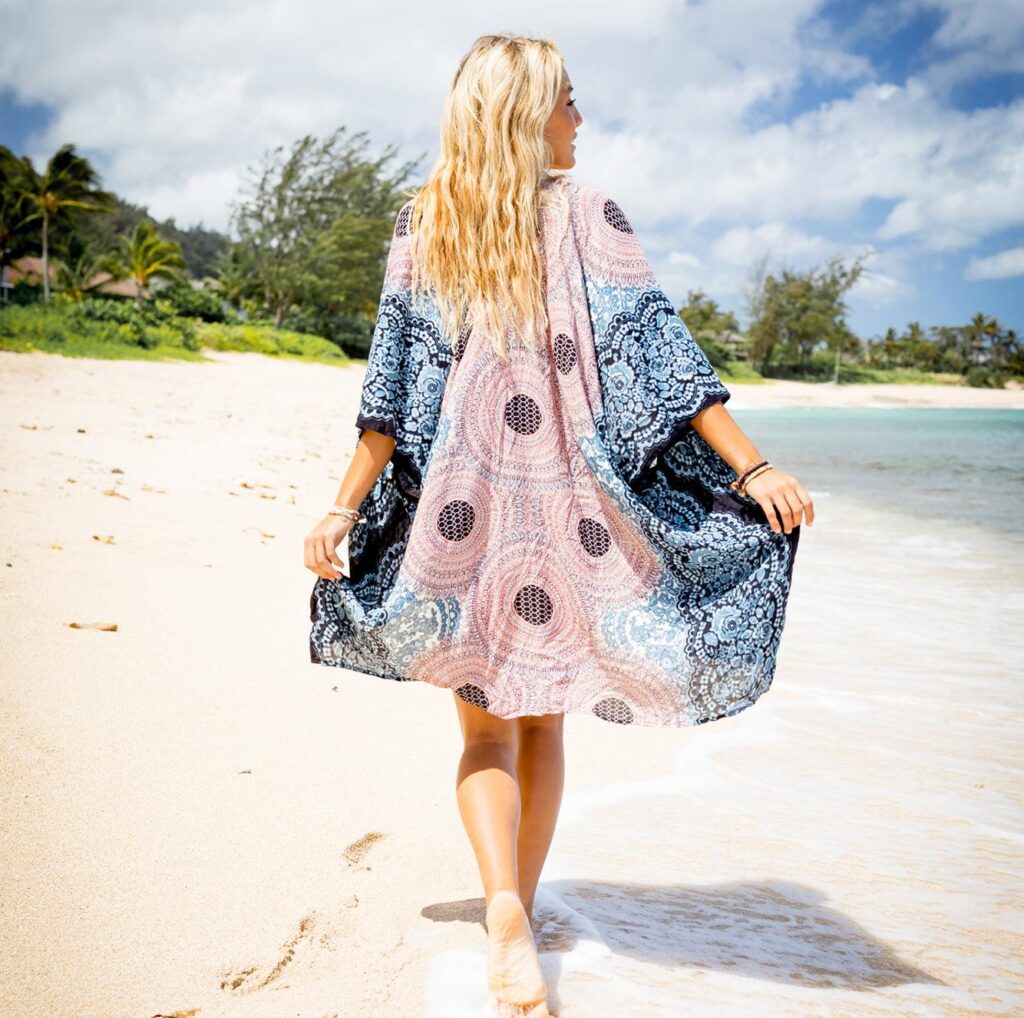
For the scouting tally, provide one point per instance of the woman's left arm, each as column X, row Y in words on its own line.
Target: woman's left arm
column 771, row 489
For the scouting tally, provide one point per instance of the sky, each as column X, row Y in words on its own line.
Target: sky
column 726, row 130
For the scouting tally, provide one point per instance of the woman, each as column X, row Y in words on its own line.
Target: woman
column 555, row 510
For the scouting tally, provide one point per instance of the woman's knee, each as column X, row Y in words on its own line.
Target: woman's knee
column 541, row 723
column 480, row 726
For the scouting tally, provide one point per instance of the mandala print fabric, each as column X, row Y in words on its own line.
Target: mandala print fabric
column 551, row 534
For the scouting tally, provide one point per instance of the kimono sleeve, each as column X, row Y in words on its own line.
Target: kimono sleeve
column 385, row 393
column 654, row 377
column 406, row 367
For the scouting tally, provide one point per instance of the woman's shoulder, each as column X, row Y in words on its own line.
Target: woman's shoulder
column 608, row 243
column 599, row 210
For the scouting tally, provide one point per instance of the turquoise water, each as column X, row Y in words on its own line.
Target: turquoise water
column 961, row 465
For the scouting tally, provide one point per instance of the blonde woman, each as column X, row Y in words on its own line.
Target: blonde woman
column 549, row 508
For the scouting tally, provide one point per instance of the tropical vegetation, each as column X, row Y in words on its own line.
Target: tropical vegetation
column 301, row 272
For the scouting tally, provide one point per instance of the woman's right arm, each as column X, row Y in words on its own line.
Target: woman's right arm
column 368, row 462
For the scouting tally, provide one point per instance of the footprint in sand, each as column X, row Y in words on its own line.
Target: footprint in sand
column 311, row 948
column 297, row 948
column 358, row 850
column 317, row 933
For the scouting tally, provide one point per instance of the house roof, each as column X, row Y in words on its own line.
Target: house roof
column 30, row 270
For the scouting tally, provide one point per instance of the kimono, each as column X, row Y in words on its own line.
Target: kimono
column 552, row 535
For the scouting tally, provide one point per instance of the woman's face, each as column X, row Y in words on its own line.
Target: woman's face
column 561, row 128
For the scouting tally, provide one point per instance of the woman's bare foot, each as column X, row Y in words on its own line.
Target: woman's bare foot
column 514, row 976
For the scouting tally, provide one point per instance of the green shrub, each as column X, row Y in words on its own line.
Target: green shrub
column 718, row 354
column 265, row 339
column 23, row 293
column 190, row 302
column 96, row 327
column 984, row 377
column 351, row 333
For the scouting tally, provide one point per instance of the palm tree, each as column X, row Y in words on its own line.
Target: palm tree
column 81, row 272
column 14, row 238
column 234, row 276
column 979, row 335
column 68, row 182
column 144, row 255
column 1005, row 348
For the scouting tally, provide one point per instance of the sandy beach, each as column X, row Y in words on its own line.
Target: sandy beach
column 196, row 821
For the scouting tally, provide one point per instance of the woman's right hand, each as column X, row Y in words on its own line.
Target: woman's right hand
column 782, row 498
column 321, row 544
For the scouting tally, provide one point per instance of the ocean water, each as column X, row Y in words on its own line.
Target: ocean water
column 966, row 466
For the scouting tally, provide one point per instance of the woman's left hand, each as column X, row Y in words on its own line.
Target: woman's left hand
column 781, row 497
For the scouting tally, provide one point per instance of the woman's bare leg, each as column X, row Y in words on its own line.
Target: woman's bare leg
column 541, row 772
column 487, row 789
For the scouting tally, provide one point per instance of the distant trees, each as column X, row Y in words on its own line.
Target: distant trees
column 715, row 330
column 983, row 351
column 62, row 215
column 794, row 313
column 80, row 273
column 313, row 228
column 798, row 329
column 200, row 247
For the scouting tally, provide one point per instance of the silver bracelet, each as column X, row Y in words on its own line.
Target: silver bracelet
column 351, row 514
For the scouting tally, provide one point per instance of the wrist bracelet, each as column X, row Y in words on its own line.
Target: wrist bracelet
column 350, row 514
column 756, row 473
column 740, row 484
column 742, row 478
column 754, row 466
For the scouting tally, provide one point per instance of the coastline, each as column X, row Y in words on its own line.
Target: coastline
column 776, row 393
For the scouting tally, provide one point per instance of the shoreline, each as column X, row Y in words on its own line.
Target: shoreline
column 772, row 393
column 784, row 393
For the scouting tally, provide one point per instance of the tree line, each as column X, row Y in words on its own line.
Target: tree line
column 310, row 231
column 798, row 330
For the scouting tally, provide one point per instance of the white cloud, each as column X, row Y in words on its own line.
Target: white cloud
column 726, row 269
column 979, row 37
column 743, row 245
column 954, row 177
column 165, row 93
column 1002, row 265
column 885, row 277
column 678, row 100
column 685, row 258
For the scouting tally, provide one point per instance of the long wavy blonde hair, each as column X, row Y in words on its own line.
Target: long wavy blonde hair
column 474, row 224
